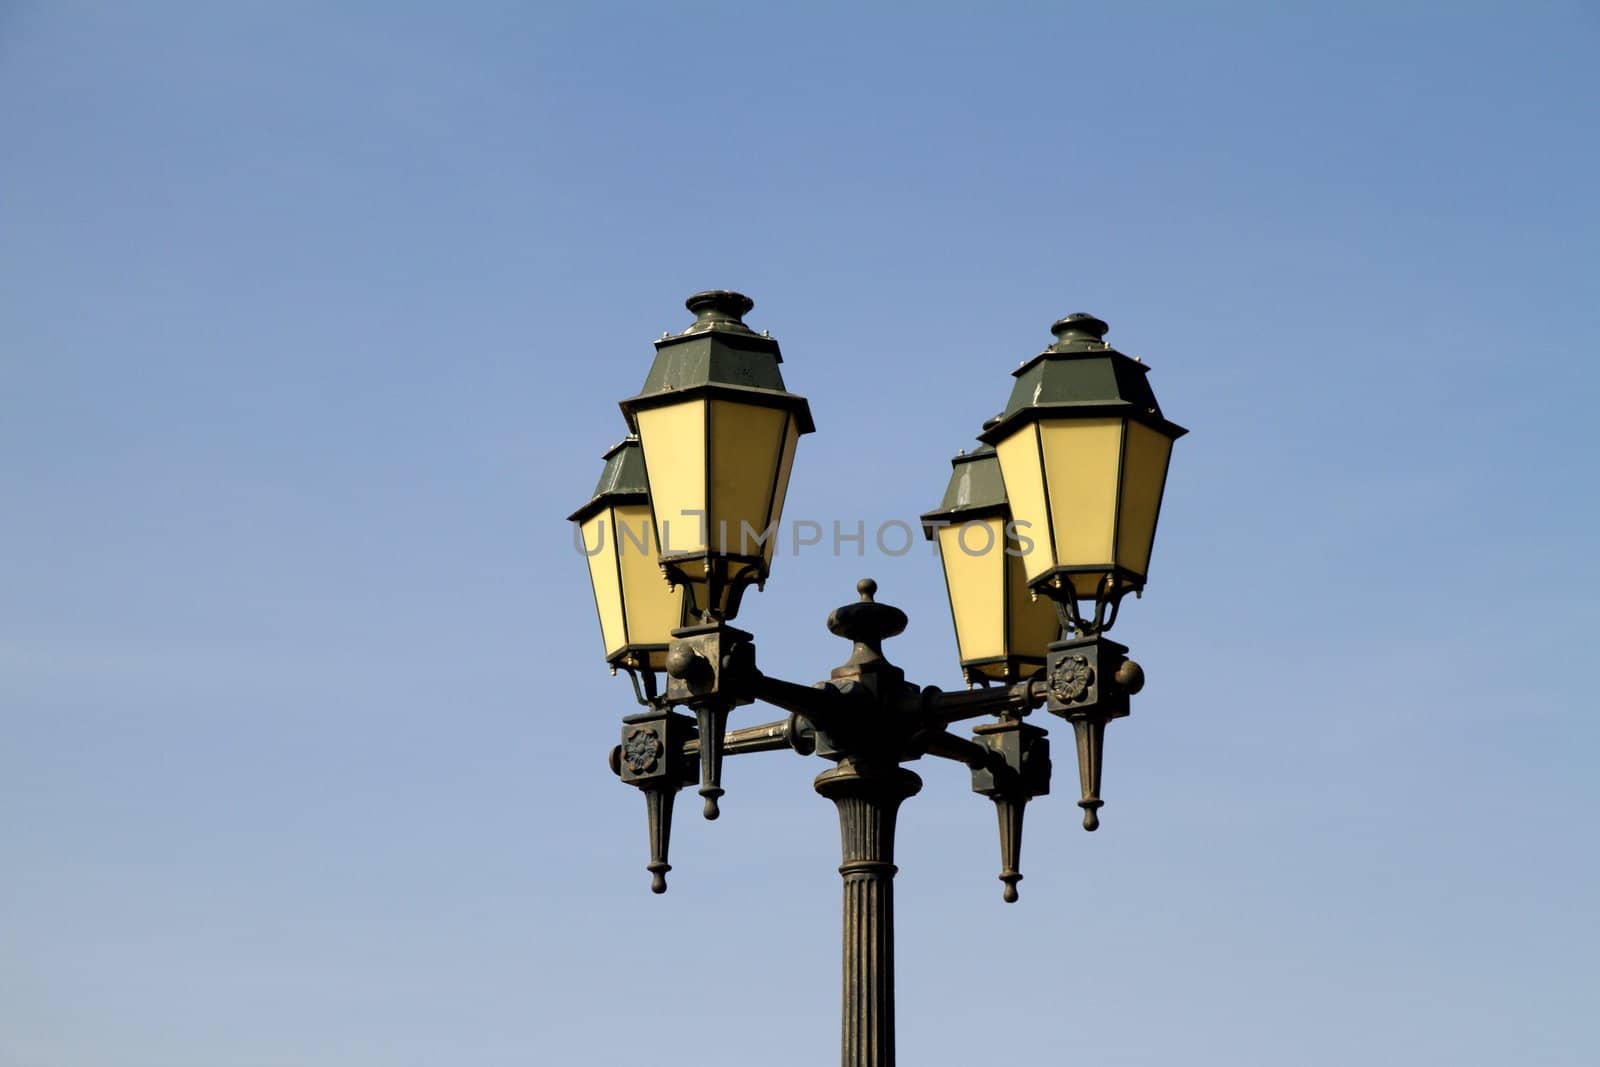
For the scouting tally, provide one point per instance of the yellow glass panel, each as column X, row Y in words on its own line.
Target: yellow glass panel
column 653, row 608
column 674, row 441
column 1032, row 623
column 1144, row 472
column 1081, row 462
column 1020, row 470
column 974, row 572
column 601, row 547
column 1087, row 584
column 746, row 445
column 791, row 437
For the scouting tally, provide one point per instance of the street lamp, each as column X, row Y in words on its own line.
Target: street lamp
column 1083, row 450
column 638, row 609
column 1003, row 629
column 718, row 431
column 1060, row 509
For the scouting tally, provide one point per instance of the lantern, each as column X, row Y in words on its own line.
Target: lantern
column 718, row 431
column 638, row 608
column 1083, row 449
column 1002, row 629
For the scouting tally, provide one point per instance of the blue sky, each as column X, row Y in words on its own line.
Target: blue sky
column 314, row 321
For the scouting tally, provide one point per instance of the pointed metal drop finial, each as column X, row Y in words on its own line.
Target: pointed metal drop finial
column 651, row 758
column 1010, row 810
column 1091, row 737
column 1017, row 770
column 713, row 722
column 658, row 807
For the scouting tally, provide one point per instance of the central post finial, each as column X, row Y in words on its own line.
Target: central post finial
column 866, row 621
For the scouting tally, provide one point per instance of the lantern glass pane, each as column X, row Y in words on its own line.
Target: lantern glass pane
column 653, row 609
column 1019, row 468
column 974, row 574
column 1081, row 461
column 600, row 546
column 673, row 437
column 1087, row 583
column 747, row 445
column 1144, row 473
column 1031, row 622
column 791, row 437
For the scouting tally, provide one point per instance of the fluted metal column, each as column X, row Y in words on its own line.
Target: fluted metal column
column 868, row 798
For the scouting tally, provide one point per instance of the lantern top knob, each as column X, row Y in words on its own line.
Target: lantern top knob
column 867, row 588
column 718, row 308
column 1079, row 326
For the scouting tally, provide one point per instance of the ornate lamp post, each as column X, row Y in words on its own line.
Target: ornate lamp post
column 1063, row 506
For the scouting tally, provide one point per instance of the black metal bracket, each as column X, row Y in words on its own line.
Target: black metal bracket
column 653, row 757
column 1088, row 681
column 868, row 716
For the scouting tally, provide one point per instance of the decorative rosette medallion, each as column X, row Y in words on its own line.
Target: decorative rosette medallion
column 641, row 749
column 1070, row 679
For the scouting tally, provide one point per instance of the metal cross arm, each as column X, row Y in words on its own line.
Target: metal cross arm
column 865, row 715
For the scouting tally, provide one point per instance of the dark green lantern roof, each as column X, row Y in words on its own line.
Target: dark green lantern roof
column 718, row 355
column 622, row 481
column 1080, row 376
column 976, row 491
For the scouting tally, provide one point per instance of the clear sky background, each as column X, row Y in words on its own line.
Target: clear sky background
column 314, row 318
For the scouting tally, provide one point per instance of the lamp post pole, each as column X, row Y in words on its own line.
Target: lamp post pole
column 868, row 798
column 1084, row 449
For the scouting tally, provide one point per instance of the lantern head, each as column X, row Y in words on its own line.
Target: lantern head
column 1083, row 449
column 638, row 608
column 1002, row 628
column 718, row 432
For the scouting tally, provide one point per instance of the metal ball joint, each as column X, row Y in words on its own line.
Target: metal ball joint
column 686, row 664
column 1129, row 676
